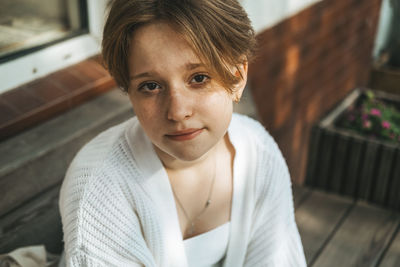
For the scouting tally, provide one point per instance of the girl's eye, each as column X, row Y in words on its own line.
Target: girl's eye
column 200, row 78
column 149, row 86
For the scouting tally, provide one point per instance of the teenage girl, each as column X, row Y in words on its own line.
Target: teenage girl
column 185, row 182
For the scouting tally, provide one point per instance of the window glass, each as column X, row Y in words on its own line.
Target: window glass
column 28, row 25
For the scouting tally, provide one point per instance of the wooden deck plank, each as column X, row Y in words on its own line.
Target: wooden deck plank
column 392, row 256
column 317, row 218
column 300, row 193
column 361, row 239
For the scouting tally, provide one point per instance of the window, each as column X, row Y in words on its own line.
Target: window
column 40, row 37
column 27, row 26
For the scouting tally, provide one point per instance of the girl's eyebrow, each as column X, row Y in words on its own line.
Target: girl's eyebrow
column 141, row 75
column 189, row 66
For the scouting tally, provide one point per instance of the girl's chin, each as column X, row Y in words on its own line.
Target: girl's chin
column 184, row 155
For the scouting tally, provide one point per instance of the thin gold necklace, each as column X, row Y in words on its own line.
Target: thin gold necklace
column 207, row 204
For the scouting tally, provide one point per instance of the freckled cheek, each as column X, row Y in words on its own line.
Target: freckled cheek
column 217, row 104
column 148, row 115
column 218, row 111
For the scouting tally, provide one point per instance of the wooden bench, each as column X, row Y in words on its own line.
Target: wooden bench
column 33, row 165
column 340, row 231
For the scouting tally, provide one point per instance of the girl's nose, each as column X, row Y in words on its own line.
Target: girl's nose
column 180, row 105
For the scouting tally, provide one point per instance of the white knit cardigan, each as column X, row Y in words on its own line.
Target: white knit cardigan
column 118, row 208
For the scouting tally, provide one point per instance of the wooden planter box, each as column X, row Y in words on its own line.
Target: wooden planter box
column 346, row 163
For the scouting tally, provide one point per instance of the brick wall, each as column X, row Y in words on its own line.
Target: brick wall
column 306, row 64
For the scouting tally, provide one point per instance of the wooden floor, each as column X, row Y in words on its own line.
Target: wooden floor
column 337, row 231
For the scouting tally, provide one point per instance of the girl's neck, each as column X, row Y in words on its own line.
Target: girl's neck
column 173, row 164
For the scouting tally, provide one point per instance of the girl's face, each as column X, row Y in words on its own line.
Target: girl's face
column 181, row 107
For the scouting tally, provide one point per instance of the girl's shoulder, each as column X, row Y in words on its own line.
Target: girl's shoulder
column 260, row 149
column 103, row 147
column 269, row 176
column 246, row 128
column 106, row 142
column 93, row 187
column 94, row 168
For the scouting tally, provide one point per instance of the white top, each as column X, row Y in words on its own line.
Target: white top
column 118, row 208
column 207, row 249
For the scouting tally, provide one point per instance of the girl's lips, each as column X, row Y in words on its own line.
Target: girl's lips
column 184, row 135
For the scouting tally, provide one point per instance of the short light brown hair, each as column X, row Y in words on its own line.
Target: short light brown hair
column 219, row 32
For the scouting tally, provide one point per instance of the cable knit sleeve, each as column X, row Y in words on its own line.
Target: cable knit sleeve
column 94, row 232
column 99, row 215
column 275, row 240
column 80, row 258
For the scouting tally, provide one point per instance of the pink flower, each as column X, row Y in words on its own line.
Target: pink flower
column 367, row 124
column 386, row 124
column 375, row 112
column 364, row 116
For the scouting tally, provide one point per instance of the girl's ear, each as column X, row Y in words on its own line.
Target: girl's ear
column 241, row 73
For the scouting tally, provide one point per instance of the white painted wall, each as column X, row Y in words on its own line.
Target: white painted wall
column 266, row 13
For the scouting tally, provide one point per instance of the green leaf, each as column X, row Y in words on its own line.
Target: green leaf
column 370, row 94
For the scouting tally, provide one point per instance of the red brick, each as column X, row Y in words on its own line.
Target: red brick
column 38, row 101
column 6, row 113
column 45, row 90
column 89, row 71
column 306, row 65
column 21, row 101
column 68, row 80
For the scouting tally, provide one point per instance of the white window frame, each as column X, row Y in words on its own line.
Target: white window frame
column 61, row 55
